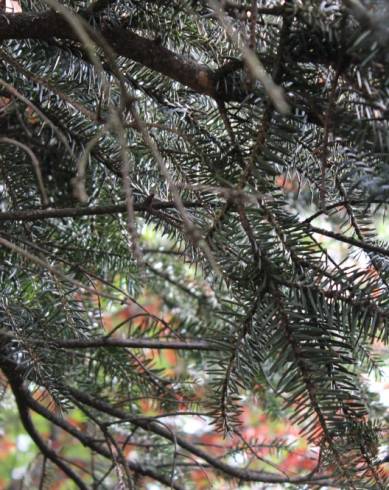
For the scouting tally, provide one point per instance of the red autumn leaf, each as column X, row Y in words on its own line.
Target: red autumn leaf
column 6, row 447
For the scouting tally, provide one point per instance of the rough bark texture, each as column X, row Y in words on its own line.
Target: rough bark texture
column 51, row 25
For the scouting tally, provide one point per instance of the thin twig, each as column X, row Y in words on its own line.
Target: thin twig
column 35, row 164
column 240, row 473
column 53, row 270
column 351, row 241
column 255, row 66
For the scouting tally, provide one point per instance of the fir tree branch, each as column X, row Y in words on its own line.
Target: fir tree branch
column 37, row 214
column 198, row 345
column 283, row 298
column 91, row 443
column 97, row 6
column 16, row 382
column 49, row 25
column 368, row 247
column 242, row 474
column 231, row 6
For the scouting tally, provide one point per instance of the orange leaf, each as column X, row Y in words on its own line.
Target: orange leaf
column 6, row 447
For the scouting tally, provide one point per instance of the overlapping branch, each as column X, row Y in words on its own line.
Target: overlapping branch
column 51, row 25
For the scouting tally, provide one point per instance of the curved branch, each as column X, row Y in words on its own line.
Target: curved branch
column 16, row 383
column 48, row 25
column 89, row 442
column 216, row 463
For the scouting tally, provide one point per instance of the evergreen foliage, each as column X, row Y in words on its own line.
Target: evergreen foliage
column 188, row 118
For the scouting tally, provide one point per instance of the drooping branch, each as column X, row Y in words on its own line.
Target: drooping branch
column 10, row 369
column 92, row 444
column 194, row 450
